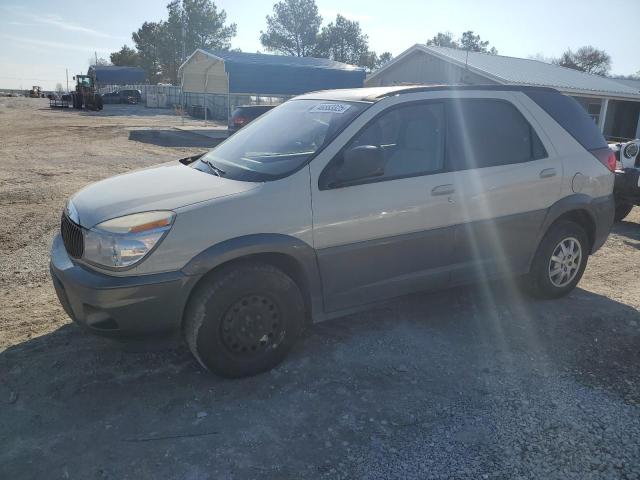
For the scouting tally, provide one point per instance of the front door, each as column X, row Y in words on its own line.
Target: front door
column 388, row 233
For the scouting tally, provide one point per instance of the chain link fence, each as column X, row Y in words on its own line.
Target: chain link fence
column 213, row 107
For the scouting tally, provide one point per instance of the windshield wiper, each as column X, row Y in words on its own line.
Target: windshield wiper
column 217, row 171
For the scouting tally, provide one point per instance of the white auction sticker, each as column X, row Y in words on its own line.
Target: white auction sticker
column 330, row 108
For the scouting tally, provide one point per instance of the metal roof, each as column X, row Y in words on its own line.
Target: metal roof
column 243, row 58
column 630, row 82
column 513, row 70
column 256, row 73
column 112, row 75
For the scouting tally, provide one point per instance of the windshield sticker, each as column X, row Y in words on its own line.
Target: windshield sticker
column 330, row 108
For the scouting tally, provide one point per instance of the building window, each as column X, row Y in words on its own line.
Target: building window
column 592, row 106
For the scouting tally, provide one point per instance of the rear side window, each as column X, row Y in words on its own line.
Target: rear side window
column 488, row 133
column 571, row 116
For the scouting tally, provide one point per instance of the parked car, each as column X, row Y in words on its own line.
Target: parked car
column 627, row 184
column 333, row 201
column 111, row 97
column 131, row 97
column 123, row 96
column 245, row 114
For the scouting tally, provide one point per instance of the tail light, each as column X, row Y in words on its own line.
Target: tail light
column 607, row 157
column 239, row 121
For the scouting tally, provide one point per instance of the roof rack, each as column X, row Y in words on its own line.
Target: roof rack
column 435, row 87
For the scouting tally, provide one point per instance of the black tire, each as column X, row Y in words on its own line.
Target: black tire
column 622, row 210
column 539, row 281
column 244, row 320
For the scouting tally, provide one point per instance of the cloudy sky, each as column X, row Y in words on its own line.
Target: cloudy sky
column 41, row 38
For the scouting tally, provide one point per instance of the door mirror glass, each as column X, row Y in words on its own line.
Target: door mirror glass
column 359, row 163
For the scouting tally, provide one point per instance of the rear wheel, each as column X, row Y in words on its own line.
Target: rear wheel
column 622, row 210
column 244, row 320
column 559, row 262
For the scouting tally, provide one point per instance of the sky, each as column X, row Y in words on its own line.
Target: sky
column 40, row 39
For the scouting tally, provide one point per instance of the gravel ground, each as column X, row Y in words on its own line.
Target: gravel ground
column 475, row 383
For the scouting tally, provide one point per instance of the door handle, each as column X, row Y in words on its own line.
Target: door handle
column 548, row 172
column 443, row 190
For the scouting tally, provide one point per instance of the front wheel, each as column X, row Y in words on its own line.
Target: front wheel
column 559, row 262
column 244, row 319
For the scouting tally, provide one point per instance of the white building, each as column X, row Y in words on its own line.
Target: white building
column 614, row 105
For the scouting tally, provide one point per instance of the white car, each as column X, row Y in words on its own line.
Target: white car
column 330, row 202
column 627, row 186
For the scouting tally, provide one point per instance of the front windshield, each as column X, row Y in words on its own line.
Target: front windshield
column 281, row 140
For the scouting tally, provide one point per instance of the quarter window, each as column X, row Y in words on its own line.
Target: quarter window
column 488, row 133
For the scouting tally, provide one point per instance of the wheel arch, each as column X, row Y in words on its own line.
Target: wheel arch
column 577, row 208
column 293, row 256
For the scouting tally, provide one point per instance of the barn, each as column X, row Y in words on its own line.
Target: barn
column 114, row 75
column 222, row 80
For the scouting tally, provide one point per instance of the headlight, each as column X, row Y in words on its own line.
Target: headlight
column 122, row 242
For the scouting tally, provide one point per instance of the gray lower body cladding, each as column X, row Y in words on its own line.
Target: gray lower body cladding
column 137, row 305
column 373, row 270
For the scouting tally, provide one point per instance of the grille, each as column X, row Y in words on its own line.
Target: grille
column 72, row 237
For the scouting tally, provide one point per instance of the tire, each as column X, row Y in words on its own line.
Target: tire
column 622, row 210
column 244, row 319
column 541, row 282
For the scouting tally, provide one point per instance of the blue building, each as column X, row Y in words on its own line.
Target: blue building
column 259, row 75
column 112, row 75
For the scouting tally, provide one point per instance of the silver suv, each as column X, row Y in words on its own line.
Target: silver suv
column 330, row 202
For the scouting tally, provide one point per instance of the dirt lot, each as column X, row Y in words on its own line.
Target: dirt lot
column 469, row 383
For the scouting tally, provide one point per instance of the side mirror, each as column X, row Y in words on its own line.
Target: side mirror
column 365, row 161
column 74, row 77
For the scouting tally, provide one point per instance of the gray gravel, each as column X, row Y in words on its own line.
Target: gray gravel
column 468, row 383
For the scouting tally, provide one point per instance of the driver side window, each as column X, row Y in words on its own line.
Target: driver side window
column 408, row 141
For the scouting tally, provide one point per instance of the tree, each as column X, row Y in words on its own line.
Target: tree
column 468, row 41
column 473, row 43
column 384, row 58
column 99, row 62
column 148, row 41
column 191, row 24
column 125, row 57
column 586, row 59
column 343, row 41
column 293, row 28
column 443, row 39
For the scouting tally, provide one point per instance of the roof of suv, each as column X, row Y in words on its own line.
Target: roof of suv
column 374, row 94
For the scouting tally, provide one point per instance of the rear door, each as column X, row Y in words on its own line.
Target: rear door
column 506, row 177
column 385, row 236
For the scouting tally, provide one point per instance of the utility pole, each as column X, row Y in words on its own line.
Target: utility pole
column 96, row 54
column 67, row 72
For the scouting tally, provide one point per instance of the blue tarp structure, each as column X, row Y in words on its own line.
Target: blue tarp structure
column 112, row 75
column 284, row 75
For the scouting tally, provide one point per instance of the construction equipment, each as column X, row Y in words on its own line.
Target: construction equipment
column 35, row 92
column 85, row 95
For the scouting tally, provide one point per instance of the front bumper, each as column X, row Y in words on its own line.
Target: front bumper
column 627, row 186
column 131, row 305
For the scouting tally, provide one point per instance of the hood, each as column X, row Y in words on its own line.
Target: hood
column 165, row 187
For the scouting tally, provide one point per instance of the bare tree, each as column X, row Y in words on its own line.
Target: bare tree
column 586, row 59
